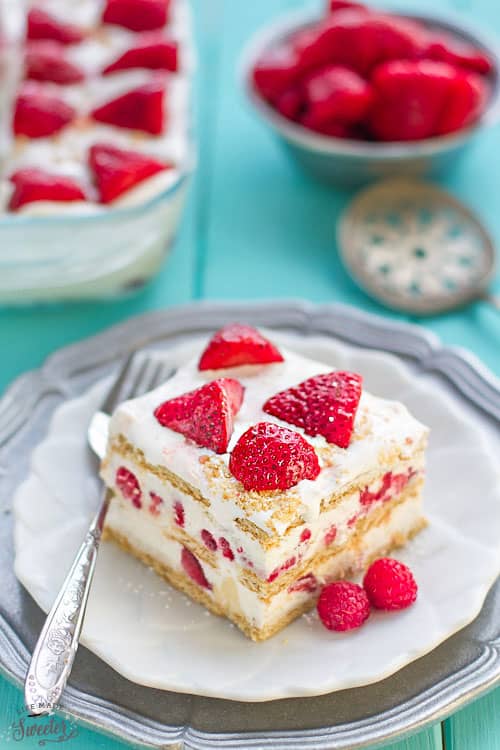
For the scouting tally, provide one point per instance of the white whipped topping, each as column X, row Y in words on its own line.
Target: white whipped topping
column 392, row 429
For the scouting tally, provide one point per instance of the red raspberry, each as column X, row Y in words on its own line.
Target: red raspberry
column 208, row 540
column 389, row 584
column 193, row 569
column 179, row 514
column 343, row 605
column 330, row 535
column 156, row 501
column 129, row 486
column 307, row 583
column 306, row 535
column 226, row 548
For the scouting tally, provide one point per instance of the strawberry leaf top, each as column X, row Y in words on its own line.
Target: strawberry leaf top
column 205, row 415
column 236, row 345
column 322, row 405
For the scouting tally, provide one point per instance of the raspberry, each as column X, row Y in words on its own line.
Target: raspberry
column 270, row 457
column 179, row 514
column 306, row 535
column 204, row 415
column 330, row 535
column 226, row 548
column 193, row 569
column 322, row 405
column 236, row 345
column 390, row 584
column 282, row 568
column 307, row 583
column 208, row 540
column 343, row 606
column 156, row 501
column 129, row 486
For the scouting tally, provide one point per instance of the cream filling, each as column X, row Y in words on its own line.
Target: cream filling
column 385, row 433
column 148, row 537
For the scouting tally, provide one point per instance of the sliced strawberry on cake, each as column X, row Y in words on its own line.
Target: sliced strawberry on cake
column 270, row 457
column 43, row 25
column 322, row 405
column 46, row 61
column 33, row 184
column 137, row 15
column 141, row 108
column 236, row 345
column 150, row 51
column 38, row 114
column 204, row 415
column 117, row 170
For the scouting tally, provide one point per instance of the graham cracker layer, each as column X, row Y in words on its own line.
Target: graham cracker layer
column 183, row 583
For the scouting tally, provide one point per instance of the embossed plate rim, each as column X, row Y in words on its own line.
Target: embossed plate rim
column 478, row 387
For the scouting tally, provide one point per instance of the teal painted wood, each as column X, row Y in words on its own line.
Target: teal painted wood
column 255, row 228
column 476, row 727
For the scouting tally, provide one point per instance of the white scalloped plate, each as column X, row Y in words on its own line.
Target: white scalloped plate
column 157, row 637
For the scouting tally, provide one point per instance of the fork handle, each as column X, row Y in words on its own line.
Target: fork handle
column 56, row 647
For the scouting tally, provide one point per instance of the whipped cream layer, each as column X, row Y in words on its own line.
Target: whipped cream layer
column 66, row 152
column 385, row 434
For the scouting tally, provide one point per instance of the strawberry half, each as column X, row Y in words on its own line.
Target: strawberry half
column 45, row 61
column 270, row 457
column 204, row 415
column 322, row 405
column 153, row 52
column 31, row 184
column 42, row 25
column 236, row 345
column 335, row 93
column 116, row 170
column 464, row 104
column 136, row 15
column 138, row 109
column 38, row 114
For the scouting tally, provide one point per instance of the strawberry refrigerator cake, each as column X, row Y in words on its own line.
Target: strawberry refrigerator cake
column 255, row 475
column 98, row 104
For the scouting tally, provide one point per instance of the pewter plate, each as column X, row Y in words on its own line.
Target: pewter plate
column 460, row 669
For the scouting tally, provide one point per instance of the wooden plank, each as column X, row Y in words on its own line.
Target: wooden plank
column 476, row 727
column 429, row 739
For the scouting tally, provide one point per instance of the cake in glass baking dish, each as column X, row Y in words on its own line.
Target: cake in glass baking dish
column 97, row 105
column 255, row 475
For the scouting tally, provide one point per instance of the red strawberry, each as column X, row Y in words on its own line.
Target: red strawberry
column 204, row 415
column 32, row 184
column 464, row 104
column 116, row 170
column 45, row 61
column 129, row 486
column 335, row 5
column 275, row 72
column 137, row 15
column 138, row 109
column 291, row 102
column 152, row 51
column 409, row 98
column 446, row 48
column 335, row 93
column 38, row 114
column 323, row 405
column 331, row 128
column 270, row 457
column 236, row 345
column 192, row 568
column 42, row 25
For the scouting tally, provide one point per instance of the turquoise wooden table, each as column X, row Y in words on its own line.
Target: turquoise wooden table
column 257, row 228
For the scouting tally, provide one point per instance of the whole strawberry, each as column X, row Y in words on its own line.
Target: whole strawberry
column 343, row 605
column 270, row 457
column 389, row 584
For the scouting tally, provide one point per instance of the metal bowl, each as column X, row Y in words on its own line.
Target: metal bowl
column 350, row 163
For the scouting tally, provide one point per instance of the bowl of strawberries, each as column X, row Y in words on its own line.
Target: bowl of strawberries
column 360, row 93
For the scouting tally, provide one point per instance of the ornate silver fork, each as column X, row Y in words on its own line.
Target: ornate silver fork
column 55, row 650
